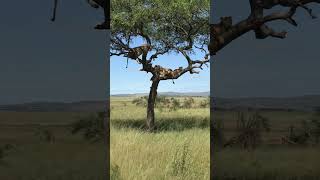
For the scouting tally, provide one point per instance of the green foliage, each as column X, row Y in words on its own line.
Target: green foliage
column 163, row 21
column 91, row 127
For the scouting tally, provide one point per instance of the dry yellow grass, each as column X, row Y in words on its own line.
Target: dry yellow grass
column 180, row 150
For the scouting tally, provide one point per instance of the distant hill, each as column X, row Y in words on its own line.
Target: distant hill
column 301, row 103
column 82, row 106
column 194, row 94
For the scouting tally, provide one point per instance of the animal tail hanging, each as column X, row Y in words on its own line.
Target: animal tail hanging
column 127, row 62
column 172, row 81
column 54, row 10
column 128, row 42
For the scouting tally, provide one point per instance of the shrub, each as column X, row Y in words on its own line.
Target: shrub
column 175, row 103
column 140, row 101
column 307, row 133
column 249, row 129
column 91, row 127
column 205, row 103
column 188, row 102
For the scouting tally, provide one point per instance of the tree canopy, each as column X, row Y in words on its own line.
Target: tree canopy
column 179, row 26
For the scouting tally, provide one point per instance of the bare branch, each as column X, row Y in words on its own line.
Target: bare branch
column 225, row 32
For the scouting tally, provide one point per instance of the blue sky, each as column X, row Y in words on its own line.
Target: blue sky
column 131, row 80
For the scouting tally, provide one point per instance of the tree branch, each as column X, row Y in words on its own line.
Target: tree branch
column 225, row 32
column 166, row 74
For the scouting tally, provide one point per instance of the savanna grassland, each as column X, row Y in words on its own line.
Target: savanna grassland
column 179, row 149
column 271, row 158
column 40, row 146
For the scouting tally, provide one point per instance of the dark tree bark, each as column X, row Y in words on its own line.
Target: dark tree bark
column 151, row 102
column 104, row 4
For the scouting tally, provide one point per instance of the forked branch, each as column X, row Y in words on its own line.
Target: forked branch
column 225, row 31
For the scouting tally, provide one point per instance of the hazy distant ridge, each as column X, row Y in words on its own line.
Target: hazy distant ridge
column 166, row 94
column 83, row 106
column 301, row 103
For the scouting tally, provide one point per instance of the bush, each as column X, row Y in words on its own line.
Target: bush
column 162, row 102
column 188, row 102
column 140, row 101
column 205, row 103
column 173, row 104
column 249, row 130
column 91, row 127
column 307, row 133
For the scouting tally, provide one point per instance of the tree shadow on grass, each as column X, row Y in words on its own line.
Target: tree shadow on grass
column 163, row 124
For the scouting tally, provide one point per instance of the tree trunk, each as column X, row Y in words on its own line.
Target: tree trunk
column 106, row 120
column 151, row 102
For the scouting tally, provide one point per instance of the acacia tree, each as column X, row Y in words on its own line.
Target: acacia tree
column 225, row 31
column 179, row 26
